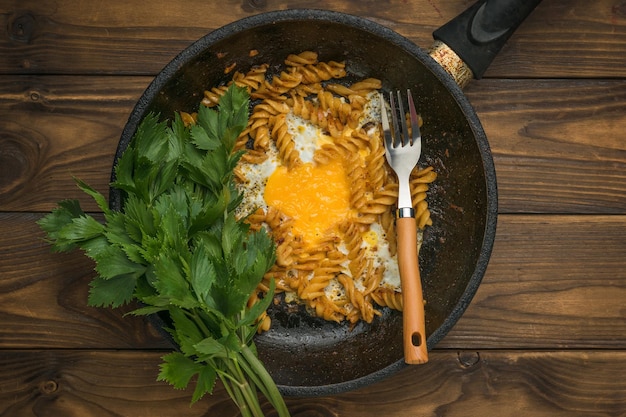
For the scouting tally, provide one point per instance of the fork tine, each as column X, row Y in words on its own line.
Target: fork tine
column 385, row 124
column 397, row 137
column 415, row 128
column 404, row 134
column 397, row 134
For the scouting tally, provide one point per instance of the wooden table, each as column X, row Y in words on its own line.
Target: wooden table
column 546, row 332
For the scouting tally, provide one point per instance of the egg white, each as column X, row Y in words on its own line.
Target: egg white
column 381, row 255
column 306, row 136
column 253, row 188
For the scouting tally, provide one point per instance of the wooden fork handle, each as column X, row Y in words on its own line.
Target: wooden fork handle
column 414, row 331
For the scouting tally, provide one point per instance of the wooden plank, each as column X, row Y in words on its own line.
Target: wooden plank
column 557, row 144
column 553, row 282
column 502, row 383
column 561, row 38
column 566, row 39
column 57, row 128
column 46, row 39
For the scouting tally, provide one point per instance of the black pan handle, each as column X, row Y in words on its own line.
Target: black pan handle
column 478, row 34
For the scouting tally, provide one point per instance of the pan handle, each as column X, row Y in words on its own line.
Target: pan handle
column 478, row 34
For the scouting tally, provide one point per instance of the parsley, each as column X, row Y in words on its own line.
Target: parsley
column 176, row 247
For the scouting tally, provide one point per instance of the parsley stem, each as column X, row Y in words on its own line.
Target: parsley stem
column 243, row 386
column 229, row 389
column 193, row 315
column 270, row 390
column 255, row 379
column 236, row 394
column 243, row 377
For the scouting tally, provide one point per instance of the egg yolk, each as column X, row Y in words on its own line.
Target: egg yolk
column 370, row 237
column 316, row 196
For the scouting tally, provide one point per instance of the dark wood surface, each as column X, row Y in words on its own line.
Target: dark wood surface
column 545, row 334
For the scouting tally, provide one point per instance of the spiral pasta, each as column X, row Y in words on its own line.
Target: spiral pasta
column 306, row 117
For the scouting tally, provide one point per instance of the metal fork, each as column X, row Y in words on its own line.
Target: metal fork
column 402, row 150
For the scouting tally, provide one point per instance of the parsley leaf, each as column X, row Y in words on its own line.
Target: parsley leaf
column 112, row 292
column 178, row 369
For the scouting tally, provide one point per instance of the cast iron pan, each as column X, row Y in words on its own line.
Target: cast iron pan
column 307, row 356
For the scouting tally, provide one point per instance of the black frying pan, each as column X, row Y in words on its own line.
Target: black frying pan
column 305, row 355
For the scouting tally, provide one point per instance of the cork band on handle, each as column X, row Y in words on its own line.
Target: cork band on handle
column 466, row 45
column 415, row 350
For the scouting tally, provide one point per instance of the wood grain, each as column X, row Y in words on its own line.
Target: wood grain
column 555, row 282
column 57, row 128
column 555, row 143
column 562, row 38
column 545, row 334
column 548, row 160
column 502, row 383
column 552, row 282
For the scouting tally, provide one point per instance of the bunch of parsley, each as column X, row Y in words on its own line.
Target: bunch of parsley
column 176, row 247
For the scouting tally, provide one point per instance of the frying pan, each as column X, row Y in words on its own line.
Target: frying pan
column 307, row 356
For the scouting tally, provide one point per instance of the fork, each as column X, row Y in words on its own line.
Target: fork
column 402, row 151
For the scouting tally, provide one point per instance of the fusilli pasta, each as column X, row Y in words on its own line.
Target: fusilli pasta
column 349, row 270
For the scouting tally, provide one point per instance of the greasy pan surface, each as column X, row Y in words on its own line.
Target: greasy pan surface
column 307, row 356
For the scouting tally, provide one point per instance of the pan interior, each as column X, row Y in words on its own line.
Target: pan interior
column 305, row 355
